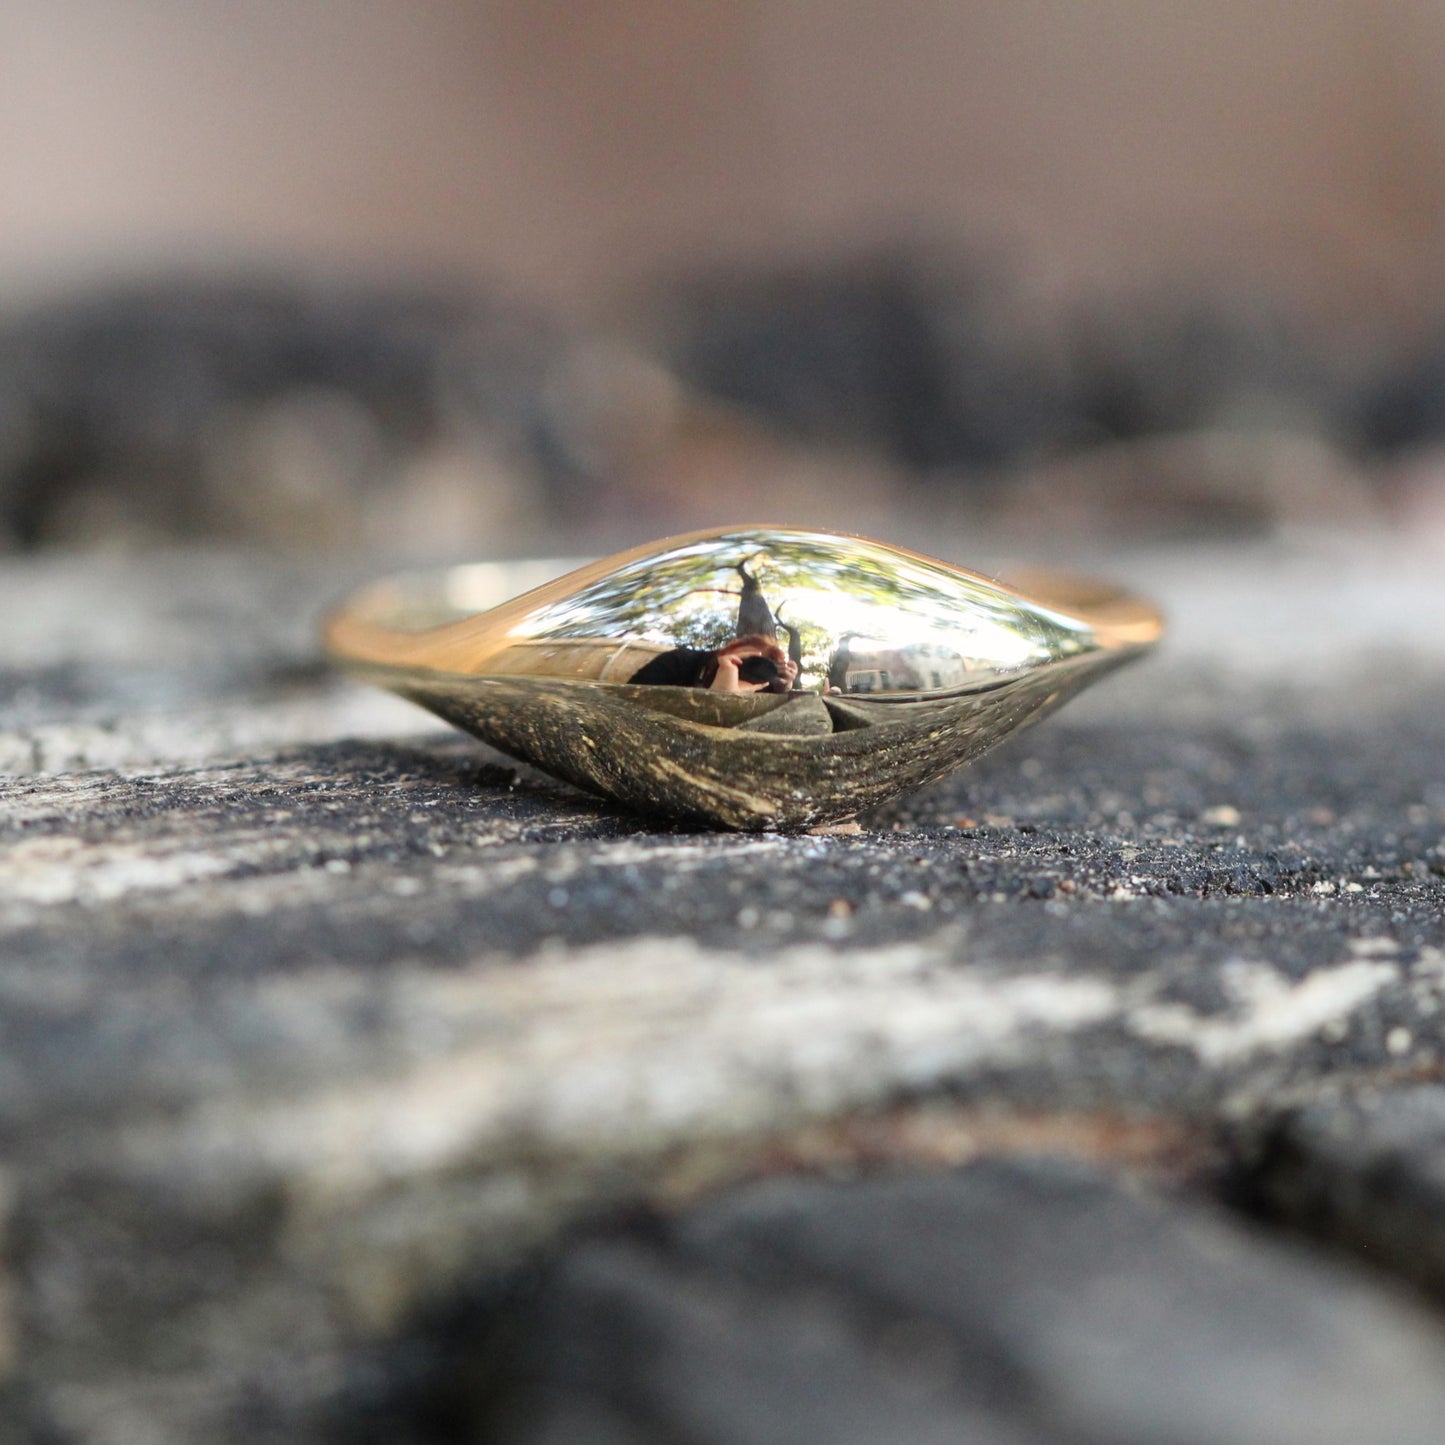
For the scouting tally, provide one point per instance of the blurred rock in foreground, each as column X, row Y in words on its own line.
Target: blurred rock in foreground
column 359, row 1083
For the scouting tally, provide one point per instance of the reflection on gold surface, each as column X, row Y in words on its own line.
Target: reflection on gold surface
column 743, row 658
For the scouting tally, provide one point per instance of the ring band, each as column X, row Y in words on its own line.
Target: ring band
column 744, row 677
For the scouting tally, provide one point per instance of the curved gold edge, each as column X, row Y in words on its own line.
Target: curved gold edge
column 437, row 620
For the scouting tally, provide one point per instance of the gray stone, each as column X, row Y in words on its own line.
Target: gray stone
column 1015, row 1300
column 313, row 1017
column 1365, row 1170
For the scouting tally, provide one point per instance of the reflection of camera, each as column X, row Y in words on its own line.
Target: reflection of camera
column 758, row 669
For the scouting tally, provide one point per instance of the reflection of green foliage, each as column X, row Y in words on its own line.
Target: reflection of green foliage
column 706, row 622
column 688, row 597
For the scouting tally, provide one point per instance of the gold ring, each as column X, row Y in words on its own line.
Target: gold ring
column 744, row 677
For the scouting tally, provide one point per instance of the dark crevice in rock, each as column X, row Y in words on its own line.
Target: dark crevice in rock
column 809, row 1310
column 1361, row 1170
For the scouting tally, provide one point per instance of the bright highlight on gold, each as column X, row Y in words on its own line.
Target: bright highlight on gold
column 747, row 677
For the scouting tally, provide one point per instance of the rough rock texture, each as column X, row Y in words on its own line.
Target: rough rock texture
column 356, row 1081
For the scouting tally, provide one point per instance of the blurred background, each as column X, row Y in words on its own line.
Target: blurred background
column 481, row 276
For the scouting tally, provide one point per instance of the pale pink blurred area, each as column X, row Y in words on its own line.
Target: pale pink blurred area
column 1100, row 265
column 570, row 148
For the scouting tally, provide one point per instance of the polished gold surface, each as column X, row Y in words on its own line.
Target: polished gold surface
column 748, row 677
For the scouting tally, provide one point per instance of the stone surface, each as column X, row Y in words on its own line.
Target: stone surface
column 1365, row 1170
column 319, row 1024
column 1015, row 1300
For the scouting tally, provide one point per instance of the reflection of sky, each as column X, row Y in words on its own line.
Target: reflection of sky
column 829, row 588
column 975, row 632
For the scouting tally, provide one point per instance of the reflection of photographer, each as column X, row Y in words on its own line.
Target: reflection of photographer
column 746, row 664
column 752, row 664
